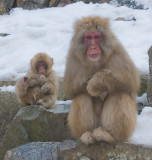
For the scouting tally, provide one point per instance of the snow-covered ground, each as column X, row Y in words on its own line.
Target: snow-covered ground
column 50, row 30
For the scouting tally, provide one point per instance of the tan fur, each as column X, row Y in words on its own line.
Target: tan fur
column 40, row 89
column 103, row 91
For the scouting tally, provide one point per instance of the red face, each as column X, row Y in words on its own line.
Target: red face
column 92, row 39
column 41, row 66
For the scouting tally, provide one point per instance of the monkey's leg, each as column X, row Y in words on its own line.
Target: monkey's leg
column 47, row 101
column 118, row 118
column 81, row 118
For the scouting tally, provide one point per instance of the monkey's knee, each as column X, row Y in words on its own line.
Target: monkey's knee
column 119, row 116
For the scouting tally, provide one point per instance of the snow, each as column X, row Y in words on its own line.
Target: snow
column 50, row 30
column 143, row 130
column 8, row 89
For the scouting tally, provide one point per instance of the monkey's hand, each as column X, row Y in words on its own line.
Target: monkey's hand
column 39, row 102
column 46, row 88
column 24, row 82
column 99, row 83
column 42, row 80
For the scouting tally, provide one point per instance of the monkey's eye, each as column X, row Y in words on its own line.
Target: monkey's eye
column 88, row 37
column 97, row 37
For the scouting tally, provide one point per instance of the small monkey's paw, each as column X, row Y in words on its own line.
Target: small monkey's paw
column 42, row 80
column 40, row 102
column 100, row 134
column 87, row 138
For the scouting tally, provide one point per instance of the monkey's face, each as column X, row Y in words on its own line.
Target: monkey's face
column 92, row 40
column 41, row 67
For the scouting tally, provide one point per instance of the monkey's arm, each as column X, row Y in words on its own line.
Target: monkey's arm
column 74, row 86
column 75, row 81
column 108, row 81
column 48, row 88
column 51, row 85
column 34, row 79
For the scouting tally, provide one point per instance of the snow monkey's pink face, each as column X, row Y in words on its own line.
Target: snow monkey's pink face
column 41, row 67
column 92, row 40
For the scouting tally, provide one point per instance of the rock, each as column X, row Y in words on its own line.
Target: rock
column 130, row 3
column 3, row 10
column 8, row 109
column 55, row 3
column 33, row 4
column 39, row 150
column 149, row 89
column 3, row 34
column 7, row 83
column 9, row 4
column 35, row 123
column 125, row 19
column 74, row 150
column 143, row 84
column 106, row 151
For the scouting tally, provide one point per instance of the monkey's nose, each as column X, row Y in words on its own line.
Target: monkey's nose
column 93, row 47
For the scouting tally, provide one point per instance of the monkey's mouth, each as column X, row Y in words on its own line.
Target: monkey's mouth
column 94, row 56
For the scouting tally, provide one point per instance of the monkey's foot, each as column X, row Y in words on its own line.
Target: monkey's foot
column 87, row 138
column 102, row 135
column 40, row 102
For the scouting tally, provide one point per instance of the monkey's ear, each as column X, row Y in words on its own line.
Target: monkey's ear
column 51, row 61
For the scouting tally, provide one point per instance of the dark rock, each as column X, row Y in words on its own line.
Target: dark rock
column 39, row 150
column 35, row 123
column 130, row 3
column 143, row 84
column 9, row 4
column 3, row 10
column 55, row 3
column 149, row 89
column 4, row 34
column 33, row 4
column 8, row 109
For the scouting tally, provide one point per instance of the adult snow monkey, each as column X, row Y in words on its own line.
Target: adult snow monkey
column 103, row 83
column 40, row 84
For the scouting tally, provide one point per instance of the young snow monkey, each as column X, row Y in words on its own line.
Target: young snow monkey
column 103, row 82
column 40, row 84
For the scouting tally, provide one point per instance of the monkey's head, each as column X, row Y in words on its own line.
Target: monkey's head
column 41, row 63
column 92, row 40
